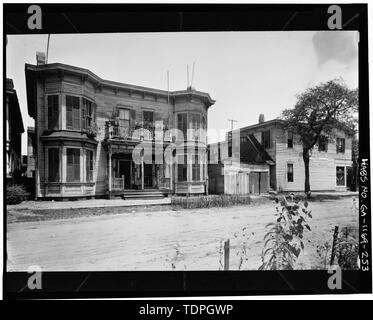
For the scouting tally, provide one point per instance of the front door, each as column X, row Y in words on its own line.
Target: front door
column 125, row 170
column 148, row 175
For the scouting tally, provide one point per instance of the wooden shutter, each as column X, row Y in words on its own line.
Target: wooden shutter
column 73, row 164
column 76, row 114
column 84, row 113
column 94, row 110
column 76, row 164
column 53, row 112
column 53, row 165
column 69, row 112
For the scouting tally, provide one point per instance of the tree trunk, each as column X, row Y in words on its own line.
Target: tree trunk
column 306, row 159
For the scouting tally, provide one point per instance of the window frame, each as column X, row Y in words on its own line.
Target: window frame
column 343, row 144
column 292, row 139
column 266, row 145
column 85, row 116
column 344, row 176
column 196, row 169
column 73, row 119
column 184, row 168
column 325, row 138
column 184, row 128
column 288, row 172
column 51, row 165
column 88, row 163
column 57, row 112
column 74, row 165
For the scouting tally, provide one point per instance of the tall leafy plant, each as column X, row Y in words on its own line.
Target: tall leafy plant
column 284, row 239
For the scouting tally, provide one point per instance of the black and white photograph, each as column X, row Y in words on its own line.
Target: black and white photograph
column 229, row 150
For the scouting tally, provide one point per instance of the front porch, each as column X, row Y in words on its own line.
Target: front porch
column 125, row 177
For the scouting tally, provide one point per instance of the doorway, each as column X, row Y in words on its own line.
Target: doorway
column 148, row 175
column 125, row 170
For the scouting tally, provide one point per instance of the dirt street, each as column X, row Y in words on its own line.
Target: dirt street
column 163, row 240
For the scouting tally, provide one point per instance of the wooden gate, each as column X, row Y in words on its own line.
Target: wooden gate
column 237, row 183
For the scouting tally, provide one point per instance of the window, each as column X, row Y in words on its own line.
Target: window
column 89, row 165
column 87, row 114
column 290, row 139
column 340, row 145
column 323, row 143
column 182, row 124
column 182, row 168
column 148, row 117
column 290, row 172
column 266, row 139
column 53, row 112
column 195, row 124
column 53, row 165
column 340, row 176
column 196, row 169
column 73, row 165
column 73, row 113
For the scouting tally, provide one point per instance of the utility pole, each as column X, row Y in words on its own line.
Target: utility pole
column 232, row 121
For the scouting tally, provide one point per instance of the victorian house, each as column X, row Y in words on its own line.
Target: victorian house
column 100, row 138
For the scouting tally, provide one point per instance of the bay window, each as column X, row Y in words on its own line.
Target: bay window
column 89, row 165
column 73, row 112
column 73, row 165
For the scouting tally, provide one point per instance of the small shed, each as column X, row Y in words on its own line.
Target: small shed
column 248, row 175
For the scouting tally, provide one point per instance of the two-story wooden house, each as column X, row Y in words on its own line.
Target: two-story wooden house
column 329, row 162
column 87, row 130
column 14, row 129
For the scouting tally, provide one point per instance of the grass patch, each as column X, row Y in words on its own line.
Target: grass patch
column 29, row 215
column 210, row 201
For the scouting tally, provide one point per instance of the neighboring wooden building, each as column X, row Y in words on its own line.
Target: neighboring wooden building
column 14, row 130
column 249, row 175
column 86, row 129
column 330, row 160
column 31, row 143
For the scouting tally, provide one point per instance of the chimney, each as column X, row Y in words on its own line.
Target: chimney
column 40, row 58
column 261, row 118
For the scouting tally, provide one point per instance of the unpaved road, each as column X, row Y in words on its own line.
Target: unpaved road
column 163, row 240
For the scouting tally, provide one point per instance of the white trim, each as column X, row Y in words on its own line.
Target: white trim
column 345, row 176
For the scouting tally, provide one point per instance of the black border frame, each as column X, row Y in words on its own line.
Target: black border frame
column 71, row 18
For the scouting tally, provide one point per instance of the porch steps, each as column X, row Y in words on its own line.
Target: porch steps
column 142, row 194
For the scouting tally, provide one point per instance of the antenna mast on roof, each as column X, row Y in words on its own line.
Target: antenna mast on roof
column 191, row 82
column 187, row 76
column 46, row 60
column 168, row 87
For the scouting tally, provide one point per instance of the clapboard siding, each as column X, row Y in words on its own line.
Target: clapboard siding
column 322, row 164
column 108, row 98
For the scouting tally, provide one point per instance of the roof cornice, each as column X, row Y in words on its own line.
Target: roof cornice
column 59, row 67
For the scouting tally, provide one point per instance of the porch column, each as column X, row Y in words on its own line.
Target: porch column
column 171, row 175
column 109, row 171
column 142, row 170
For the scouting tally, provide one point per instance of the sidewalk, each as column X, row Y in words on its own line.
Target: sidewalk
column 93, row 203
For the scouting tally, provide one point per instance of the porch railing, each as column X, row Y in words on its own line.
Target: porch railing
column 165, row 183
column 115, row 131
column 118, row 183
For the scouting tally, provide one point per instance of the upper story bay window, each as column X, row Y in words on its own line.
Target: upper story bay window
column 182, row 124
column 80, row 113
column 195, row 125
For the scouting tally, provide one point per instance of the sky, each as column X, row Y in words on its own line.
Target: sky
column 247, row 73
